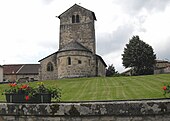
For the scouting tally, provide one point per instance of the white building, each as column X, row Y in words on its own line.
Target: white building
column 1, row 73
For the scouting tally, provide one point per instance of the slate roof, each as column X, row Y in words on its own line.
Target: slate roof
column 21, row 69
column 74, row 46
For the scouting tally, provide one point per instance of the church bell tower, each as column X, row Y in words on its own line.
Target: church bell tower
column 77, row 25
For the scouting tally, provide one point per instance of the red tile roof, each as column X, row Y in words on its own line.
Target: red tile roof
column 11, row 69
column 21, row 69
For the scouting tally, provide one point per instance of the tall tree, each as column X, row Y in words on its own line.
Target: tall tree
column 110, row 71
column 139, row 56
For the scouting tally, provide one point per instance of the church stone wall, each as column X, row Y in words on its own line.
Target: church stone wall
column 82, row 64
column 101, row 68
column 48, row 75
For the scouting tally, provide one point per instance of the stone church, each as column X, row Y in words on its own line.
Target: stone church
column 76, row 56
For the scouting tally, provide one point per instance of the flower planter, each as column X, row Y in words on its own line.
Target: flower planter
column 23, row 93
column 20, row 98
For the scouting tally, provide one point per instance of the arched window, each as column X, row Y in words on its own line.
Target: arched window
column 69, row 60
column 77, row 19
column 73, row 19
column 50, row 67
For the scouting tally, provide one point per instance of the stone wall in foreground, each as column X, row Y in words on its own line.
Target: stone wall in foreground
column 145, row 110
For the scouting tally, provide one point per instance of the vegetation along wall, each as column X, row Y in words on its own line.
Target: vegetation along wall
column 147, row 110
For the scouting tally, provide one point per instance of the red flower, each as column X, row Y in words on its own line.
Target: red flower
column 24, row 86
column 27, row 97
column 164, row 88
column 12, row 84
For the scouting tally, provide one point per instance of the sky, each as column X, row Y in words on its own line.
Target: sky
column 29, row 29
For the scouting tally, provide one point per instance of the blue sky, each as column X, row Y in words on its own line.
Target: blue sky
column 29, row 30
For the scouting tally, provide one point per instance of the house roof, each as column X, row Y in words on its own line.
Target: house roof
column 11, row 69
column 75, row 5
column 162, row 61
column 99, row 57
column 21, row 69
column 29, row 69
column 74, row 46
column 69, row 47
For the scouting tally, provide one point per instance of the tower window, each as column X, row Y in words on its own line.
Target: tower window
column 79, row 61
column 73, row 19
column 69, row 60
column 77, row 19
column 50, row 67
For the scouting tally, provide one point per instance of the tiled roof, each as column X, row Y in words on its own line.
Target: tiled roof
column 74, row 46
column 11, row 69
column 21, row 69
column 29, row 69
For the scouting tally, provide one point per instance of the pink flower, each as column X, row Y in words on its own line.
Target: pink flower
column 27, row 97
column 164, row 88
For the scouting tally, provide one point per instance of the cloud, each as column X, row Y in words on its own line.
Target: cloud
column 112, row 42
column 135, row 6
column 47, row 2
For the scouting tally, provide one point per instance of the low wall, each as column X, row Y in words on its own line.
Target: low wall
column 147, row 110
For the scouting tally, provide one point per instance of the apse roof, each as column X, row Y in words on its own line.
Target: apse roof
column 74, row 46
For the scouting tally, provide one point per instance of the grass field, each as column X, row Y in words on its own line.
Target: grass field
column 108, row 88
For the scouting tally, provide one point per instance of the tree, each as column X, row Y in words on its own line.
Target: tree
column 139, row 56
column 110, row 71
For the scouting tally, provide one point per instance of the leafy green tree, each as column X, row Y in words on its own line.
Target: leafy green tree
column 139, row 56
column 110, row 71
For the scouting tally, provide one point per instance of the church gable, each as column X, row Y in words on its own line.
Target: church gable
column 48, row 68
column 76, row 14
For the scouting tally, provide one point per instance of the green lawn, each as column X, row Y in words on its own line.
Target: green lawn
column 108, row 88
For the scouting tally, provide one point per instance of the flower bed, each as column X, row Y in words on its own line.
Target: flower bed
column 23, row 93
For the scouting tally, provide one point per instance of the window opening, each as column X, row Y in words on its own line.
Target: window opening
column 77, row 19
column 69, row 61
column 73, row 18
column 79, row 61
column 50, row 67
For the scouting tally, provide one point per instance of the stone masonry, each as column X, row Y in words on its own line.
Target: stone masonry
column 76, row 56
column 139, row 110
